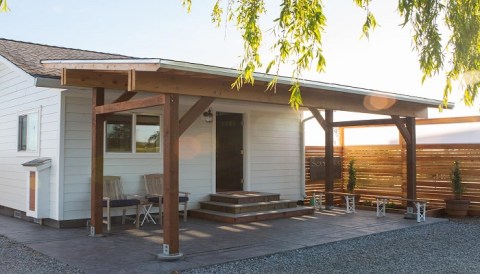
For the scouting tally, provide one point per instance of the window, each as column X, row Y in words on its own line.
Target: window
column 122, row 130
column 28, row 132
column 147, row 137
column 119, row 133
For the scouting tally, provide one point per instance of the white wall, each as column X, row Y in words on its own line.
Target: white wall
column 275, row 154
column 195, row 158
column 18, row 94
column 272, row 145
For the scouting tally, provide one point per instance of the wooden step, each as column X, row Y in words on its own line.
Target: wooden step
column 244, row 197
column 251, row 216
column 251, row 207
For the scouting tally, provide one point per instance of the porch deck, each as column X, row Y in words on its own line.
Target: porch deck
column 203, row 242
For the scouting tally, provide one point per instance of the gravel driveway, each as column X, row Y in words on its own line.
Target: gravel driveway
column 446, row 247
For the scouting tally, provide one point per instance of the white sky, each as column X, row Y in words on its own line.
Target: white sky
column 163, row 29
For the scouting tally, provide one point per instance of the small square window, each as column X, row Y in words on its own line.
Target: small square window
column 119, row 133
column 28, row 132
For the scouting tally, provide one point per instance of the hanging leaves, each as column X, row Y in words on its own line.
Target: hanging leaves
column 461, row 48
column 3, row 6
column 300, row 25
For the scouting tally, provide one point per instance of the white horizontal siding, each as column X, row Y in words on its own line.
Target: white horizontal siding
column 18, row 94
column 274, row 153
column 195, row 159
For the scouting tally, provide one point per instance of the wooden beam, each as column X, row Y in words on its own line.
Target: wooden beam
column 192, row 114
column 411, row 160
column 171, row 137
column 129, row 105
column 402, row 129
column 360, row 123
column 319, row 118
column 450, row 120
column 221, row 88
column 127, row 95
column 89, row 78
column 329, row 165
column 98, row 99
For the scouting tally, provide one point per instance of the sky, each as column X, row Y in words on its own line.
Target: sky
column 163, row 29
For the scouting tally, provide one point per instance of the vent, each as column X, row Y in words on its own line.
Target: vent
column 17, row 214
column 37, row 221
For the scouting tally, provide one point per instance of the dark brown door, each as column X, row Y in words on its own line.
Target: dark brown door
column 229, row 163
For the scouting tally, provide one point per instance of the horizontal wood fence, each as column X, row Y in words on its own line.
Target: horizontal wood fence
column 381, row 170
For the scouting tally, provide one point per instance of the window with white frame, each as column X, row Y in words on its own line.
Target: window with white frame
column 28, row 132
column 132, row 133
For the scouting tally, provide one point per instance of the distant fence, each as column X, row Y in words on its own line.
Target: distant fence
column 381, row 170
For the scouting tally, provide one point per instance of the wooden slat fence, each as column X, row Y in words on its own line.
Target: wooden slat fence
column 381, row 170
column 319, row 185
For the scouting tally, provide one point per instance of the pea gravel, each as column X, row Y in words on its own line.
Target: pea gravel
column 17, row 258
column 446, row 247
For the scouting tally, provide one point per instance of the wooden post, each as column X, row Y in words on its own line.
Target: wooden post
column 170, row 172
column 329, row 156
column 411, row 160
column 98, row 99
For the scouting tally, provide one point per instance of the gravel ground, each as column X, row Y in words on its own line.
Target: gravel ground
column 17, row 258
column 447, row 247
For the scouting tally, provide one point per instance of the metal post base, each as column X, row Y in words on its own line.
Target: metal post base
column 410, row 216
column 169, row 257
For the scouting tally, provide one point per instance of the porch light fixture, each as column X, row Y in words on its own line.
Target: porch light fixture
column 208, row 116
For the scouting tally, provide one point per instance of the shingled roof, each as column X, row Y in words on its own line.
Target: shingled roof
column 27, row 56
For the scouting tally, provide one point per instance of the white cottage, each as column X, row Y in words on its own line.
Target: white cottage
column 41, row 119
column 253, row 143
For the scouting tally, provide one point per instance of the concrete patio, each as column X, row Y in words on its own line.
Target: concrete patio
column 132, row 250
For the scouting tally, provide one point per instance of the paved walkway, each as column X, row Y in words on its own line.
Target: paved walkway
column 130, row 250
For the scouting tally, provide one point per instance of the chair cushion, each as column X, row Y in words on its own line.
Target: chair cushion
column 181, row 199
column 122, row 203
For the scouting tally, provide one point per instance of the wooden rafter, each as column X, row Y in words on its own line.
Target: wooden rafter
column 129, row 105
column 402, row 129
column 221, row 88
column 192, row 114
column 318, row 116
column 360, row 123
column 127, row 95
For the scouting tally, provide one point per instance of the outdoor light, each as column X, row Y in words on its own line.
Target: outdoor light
column 208, row 116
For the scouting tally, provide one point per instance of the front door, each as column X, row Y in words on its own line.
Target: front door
column 229, row 160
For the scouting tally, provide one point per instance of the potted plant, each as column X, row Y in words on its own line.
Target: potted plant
column 352, row 176
column 352, row 179
column 456, row 207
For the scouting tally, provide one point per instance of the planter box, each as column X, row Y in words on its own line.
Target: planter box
column 457, row 208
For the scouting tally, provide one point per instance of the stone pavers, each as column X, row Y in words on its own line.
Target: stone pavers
column 128, row 249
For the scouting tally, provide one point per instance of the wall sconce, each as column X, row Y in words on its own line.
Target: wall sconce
column 208, row 116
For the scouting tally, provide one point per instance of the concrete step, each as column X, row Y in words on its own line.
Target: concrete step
column 250, row 207
column 251, row 216
column 244, row 197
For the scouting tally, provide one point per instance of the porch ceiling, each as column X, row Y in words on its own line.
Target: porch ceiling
column 163, row 76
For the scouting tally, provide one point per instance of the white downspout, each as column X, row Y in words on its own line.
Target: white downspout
column 302, row 161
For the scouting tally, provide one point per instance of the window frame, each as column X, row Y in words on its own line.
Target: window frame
column 133, row 135
column 27, row 152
